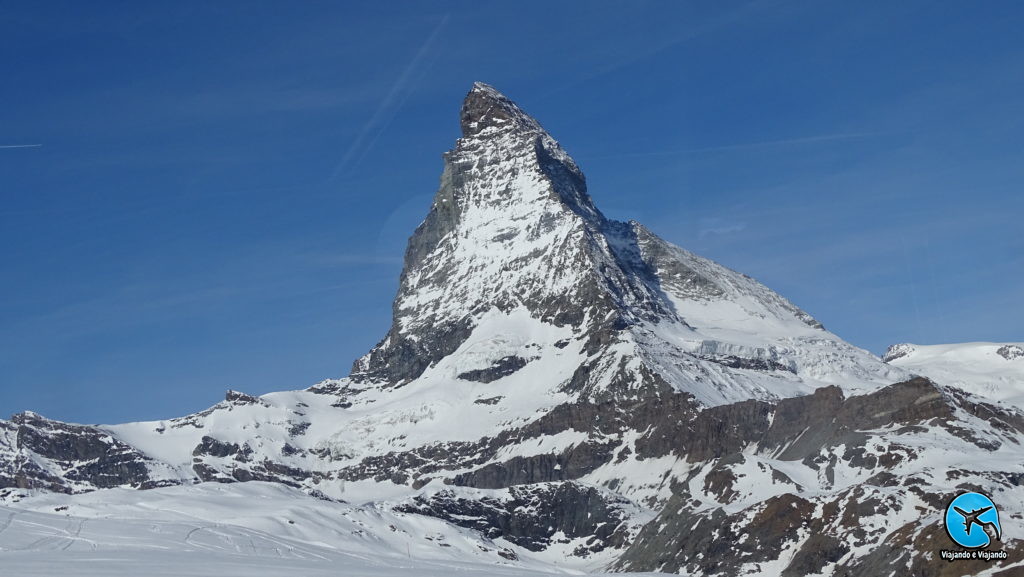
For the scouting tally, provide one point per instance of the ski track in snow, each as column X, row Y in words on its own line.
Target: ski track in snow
column 7, row 522
column 205, row 550
column 128, row 533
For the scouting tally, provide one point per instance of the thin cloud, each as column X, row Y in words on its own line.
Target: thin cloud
column 746, row 145
column 341, row 260
column 356, row 150
column 739, row 14
column 21, row 145
column 247, row 100
column 717, row 226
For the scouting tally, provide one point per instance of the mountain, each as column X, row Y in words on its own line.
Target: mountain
column 571, row 389
column 513, row 245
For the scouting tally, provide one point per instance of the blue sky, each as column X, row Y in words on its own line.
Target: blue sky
column 202, row 196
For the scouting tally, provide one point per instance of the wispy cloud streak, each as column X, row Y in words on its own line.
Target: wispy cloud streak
column 741, row 13
column 745, row 145
column 21, row 145
column 387, row 110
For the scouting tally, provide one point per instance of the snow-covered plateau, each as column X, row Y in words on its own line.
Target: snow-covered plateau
column 992, row 370
column 558, row 393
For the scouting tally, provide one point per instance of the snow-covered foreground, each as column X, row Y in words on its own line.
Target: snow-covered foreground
column 251, row 529
column 199, row 564
column 160, row 563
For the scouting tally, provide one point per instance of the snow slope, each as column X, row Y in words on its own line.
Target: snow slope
column 992, row 370
column 252, row 529
column 514, row 257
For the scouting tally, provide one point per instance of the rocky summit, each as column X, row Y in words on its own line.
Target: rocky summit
column 560, row 385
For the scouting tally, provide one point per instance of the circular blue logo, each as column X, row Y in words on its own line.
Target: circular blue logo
column 972, row 521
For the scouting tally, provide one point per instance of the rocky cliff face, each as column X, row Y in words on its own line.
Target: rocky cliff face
column 569, row 385
column 827, row 483
column 511, row 228
column 512, row 231
column 38, row 453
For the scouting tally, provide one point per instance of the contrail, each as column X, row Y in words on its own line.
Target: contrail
column 20, row 145
column 784, row 141
column 712, row 25
column 386, row 104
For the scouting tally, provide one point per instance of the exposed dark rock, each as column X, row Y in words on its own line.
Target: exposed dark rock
column 398, row 359
column 85, row 455
column 212, row 447
column 207, row 473
column 502, row 367
column 664, row 417
column 897, row 351
column 573, row 463
column 714, row 543
column 243, row 470
column 805, row 428
column 298, row 429
column 531, row 515
column 680, row 430
column 485, row 107
column 720, row 479
column 804, row 425
column 817, row 552
column 794, row 419
column 224, row 462
column 238, row 398
column 194, row 420
column 745, row 363
column 1010, row 352
column 418, row 462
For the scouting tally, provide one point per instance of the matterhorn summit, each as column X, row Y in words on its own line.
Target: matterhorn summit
column 557, row 390
column 513, row 239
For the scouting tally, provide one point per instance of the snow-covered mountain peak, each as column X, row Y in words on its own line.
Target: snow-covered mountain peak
column 487, row 110
column 511, row 227
column 897, row 351
column 500, row 140
column 513, row 235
